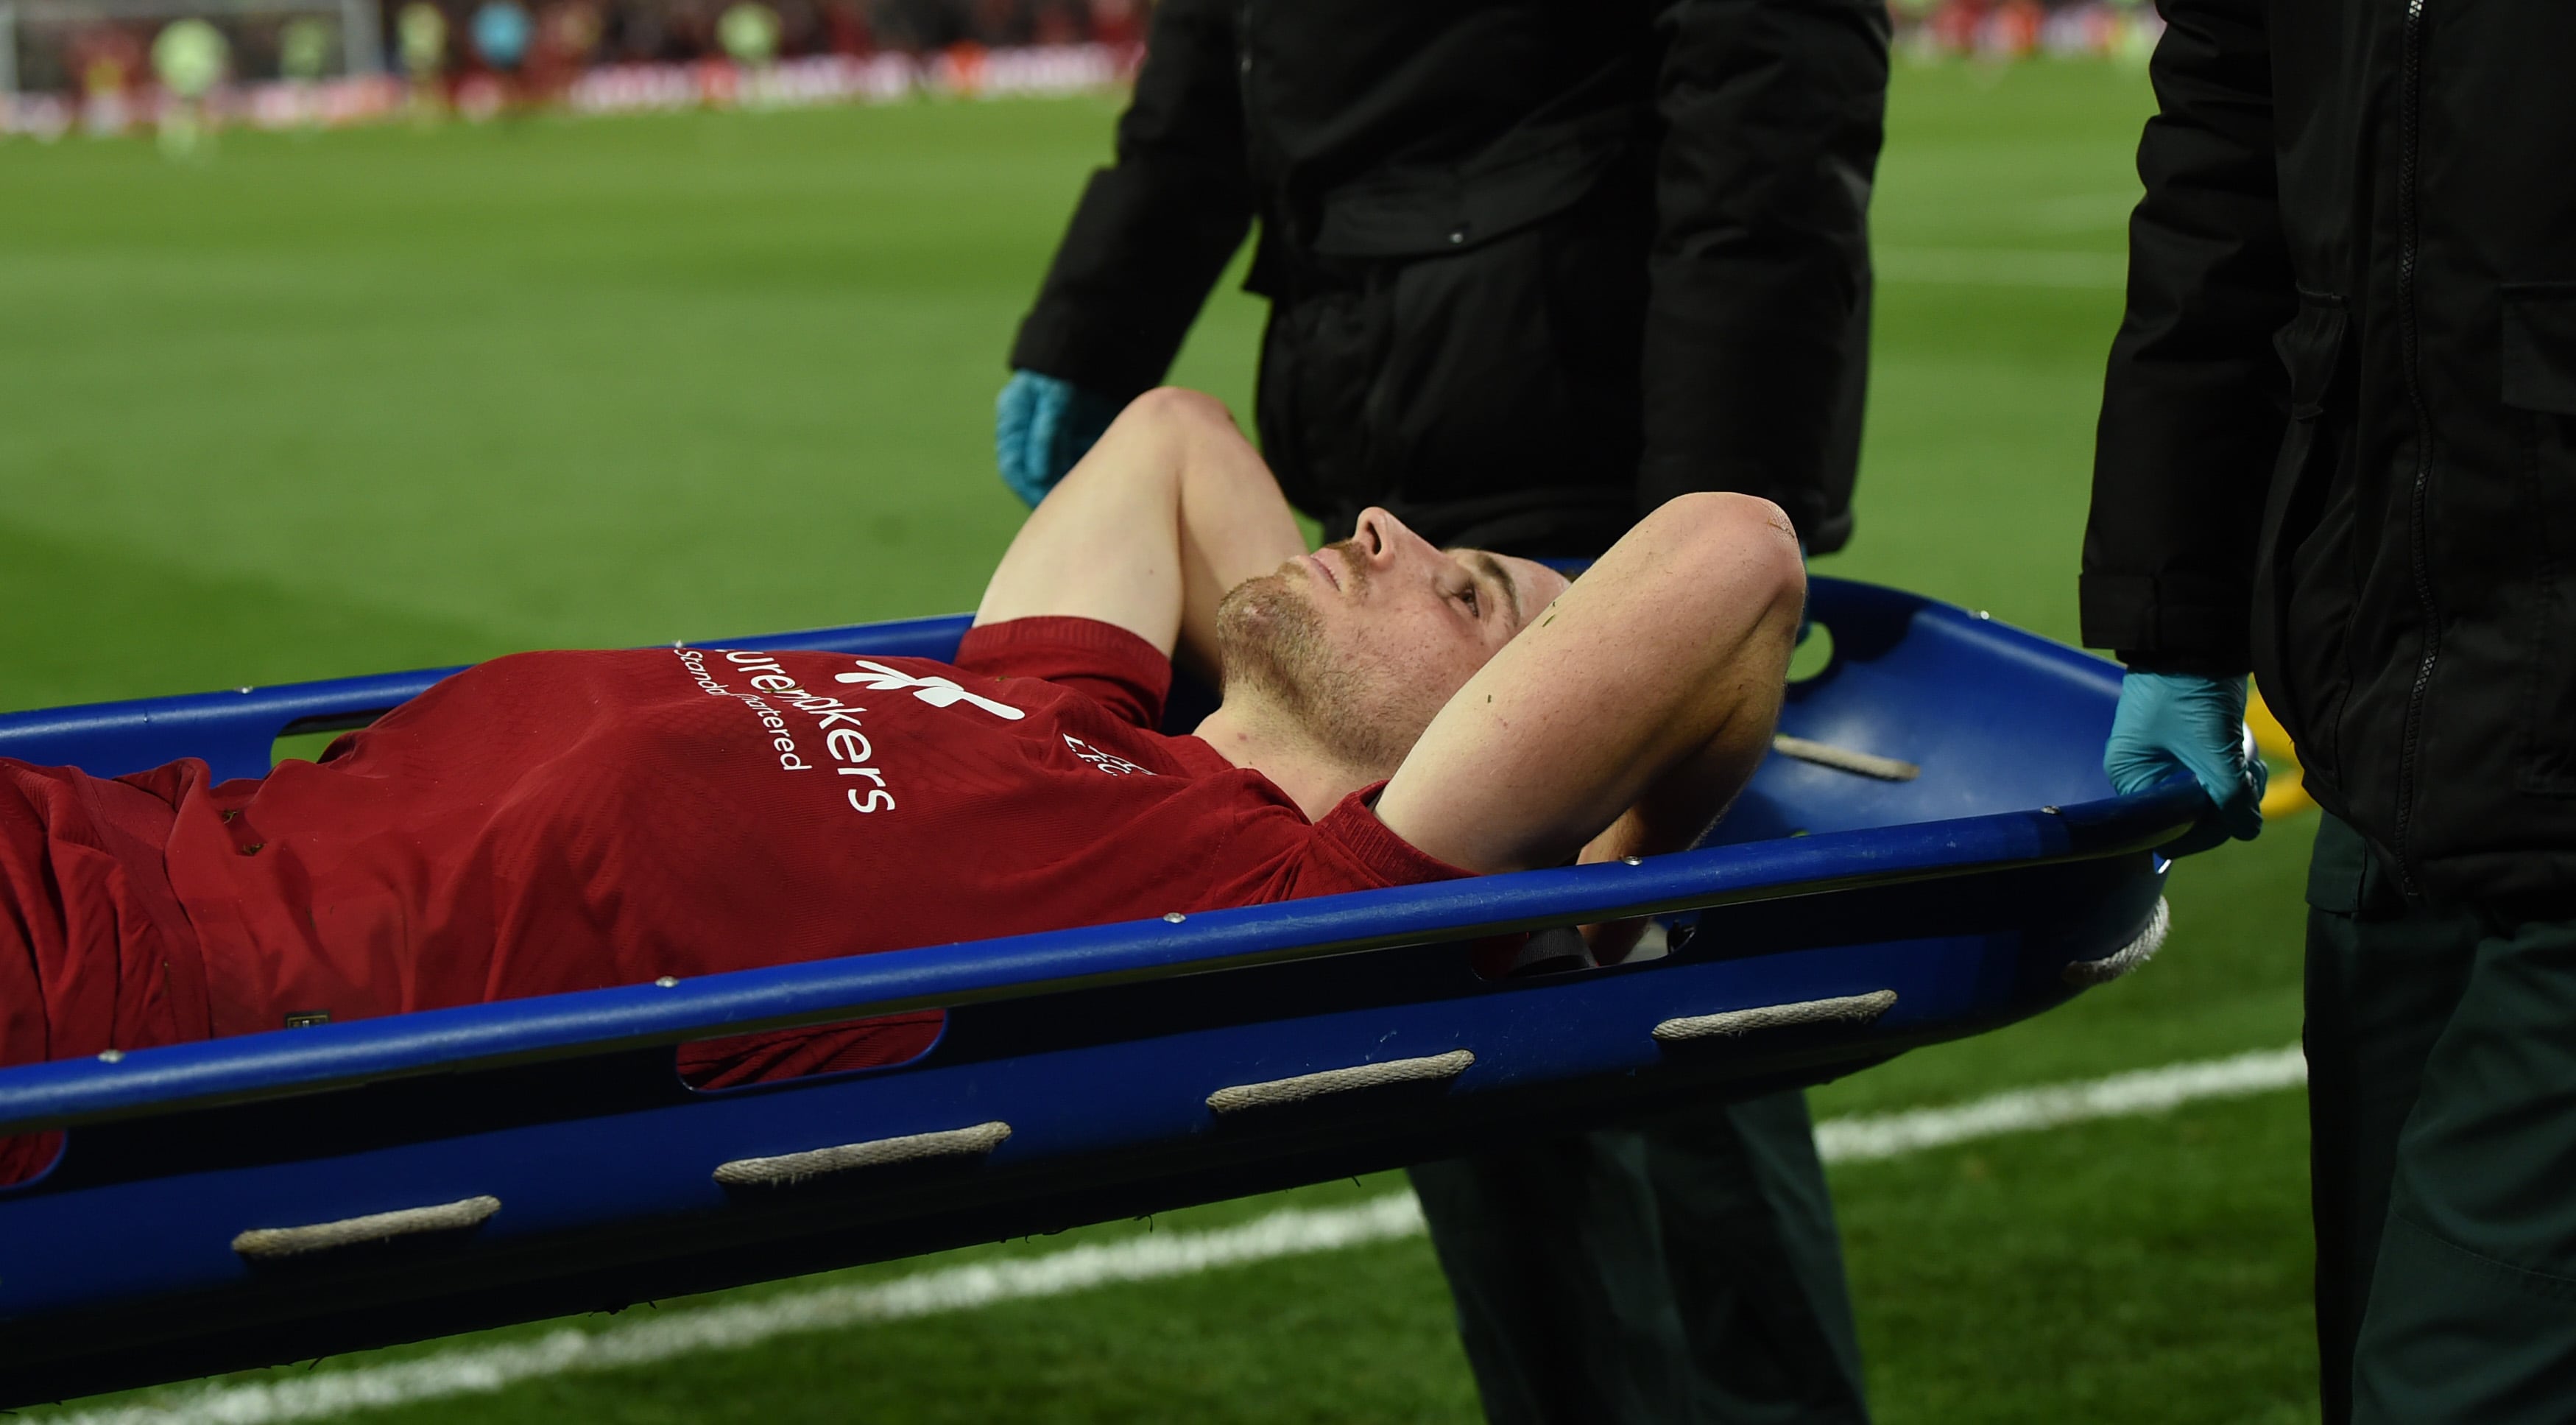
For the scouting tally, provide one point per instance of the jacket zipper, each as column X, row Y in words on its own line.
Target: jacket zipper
column 2410, row 114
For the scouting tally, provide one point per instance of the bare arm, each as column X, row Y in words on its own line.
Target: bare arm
column 1172, row 508
column 1632, row 711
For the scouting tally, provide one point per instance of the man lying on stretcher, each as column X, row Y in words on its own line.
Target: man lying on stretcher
column 1392, row 713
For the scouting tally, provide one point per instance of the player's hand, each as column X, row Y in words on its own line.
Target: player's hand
column 2182, row 722
column 1041, row 426
column 1611, row 940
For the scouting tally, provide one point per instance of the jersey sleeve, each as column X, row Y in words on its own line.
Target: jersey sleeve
column 1101, row 661
column 1354, row 851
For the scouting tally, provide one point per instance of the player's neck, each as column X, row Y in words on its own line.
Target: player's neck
column 1281, row 749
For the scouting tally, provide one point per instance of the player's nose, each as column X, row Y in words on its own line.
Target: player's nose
column 1380, row 538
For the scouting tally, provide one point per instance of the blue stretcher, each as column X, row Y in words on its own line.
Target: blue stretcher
column 283, row 1195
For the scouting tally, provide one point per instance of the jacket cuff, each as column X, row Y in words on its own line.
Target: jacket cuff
column 2171, row 622
column 1094, row 351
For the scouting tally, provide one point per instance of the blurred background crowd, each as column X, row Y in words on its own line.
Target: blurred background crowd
column 108, row 67
column 105, row 67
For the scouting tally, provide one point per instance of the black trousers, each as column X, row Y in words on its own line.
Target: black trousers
column 1686, row 1270
column 2441, row 1045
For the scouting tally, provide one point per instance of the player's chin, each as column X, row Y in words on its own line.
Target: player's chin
column 1259, row 595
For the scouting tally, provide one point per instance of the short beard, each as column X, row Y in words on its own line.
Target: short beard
column 1270, row 646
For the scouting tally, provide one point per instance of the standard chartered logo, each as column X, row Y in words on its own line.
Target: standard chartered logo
column 938, row 692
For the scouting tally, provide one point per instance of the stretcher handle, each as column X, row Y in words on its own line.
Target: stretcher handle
column 233, row 730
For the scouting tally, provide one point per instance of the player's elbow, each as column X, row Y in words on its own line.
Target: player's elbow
column 1742, row 547
column 1153, row 443
column 1179, row 409
column 1170, row 426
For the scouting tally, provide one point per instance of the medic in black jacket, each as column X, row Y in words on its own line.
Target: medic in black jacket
column 2335, row 445
column 2338, row 447
column 1534, row 268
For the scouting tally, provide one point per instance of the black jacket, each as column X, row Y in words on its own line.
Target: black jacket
column 1535, row 267
column 2338, row 443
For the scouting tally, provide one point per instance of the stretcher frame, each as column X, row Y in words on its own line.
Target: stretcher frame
column 304, row 1192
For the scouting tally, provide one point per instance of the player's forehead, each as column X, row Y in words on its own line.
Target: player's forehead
column 1530, row 585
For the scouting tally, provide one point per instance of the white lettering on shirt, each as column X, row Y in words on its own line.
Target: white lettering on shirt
column 840, row 724
column 694, row 663
column 845, row 743
column 1108, row 762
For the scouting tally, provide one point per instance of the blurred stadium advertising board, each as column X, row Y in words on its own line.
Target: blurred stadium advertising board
column 52, row 53
column 368, row 94
column 883, row 78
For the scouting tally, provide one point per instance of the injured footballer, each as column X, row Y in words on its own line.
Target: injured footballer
column 1392, row 713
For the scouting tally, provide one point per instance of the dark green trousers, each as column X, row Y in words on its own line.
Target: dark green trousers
column 2441, row 1048
column 1683, row 1271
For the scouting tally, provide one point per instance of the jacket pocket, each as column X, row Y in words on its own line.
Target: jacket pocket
column 1454, row 381
column 2303, row 593
column 1476, row 398
column 2539, row 384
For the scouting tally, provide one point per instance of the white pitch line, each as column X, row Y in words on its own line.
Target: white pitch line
column 1862, row 1138
column 474, row 1370
column 1290, row 1232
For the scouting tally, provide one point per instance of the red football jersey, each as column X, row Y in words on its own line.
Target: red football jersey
column 95, row 951
column 565, row 821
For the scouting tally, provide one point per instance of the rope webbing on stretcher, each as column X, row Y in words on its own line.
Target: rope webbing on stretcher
column 2128, row 957
column 788, row 1168
column 1845, row 759
column 269, row 1242
column 1332, row 1081
column 1843, row 1008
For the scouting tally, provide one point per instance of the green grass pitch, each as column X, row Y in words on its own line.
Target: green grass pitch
column 388, row 398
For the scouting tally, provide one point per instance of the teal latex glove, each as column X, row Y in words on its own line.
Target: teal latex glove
column 1041, row 426
column 2181, row 722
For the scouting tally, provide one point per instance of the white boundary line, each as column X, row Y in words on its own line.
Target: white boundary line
column 477, row 1370
column 1864, row 1137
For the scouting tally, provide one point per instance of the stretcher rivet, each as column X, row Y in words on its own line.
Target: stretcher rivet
column 110, row 1056
column 1630, row 861
column 1175, row 917
column 668, row 981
